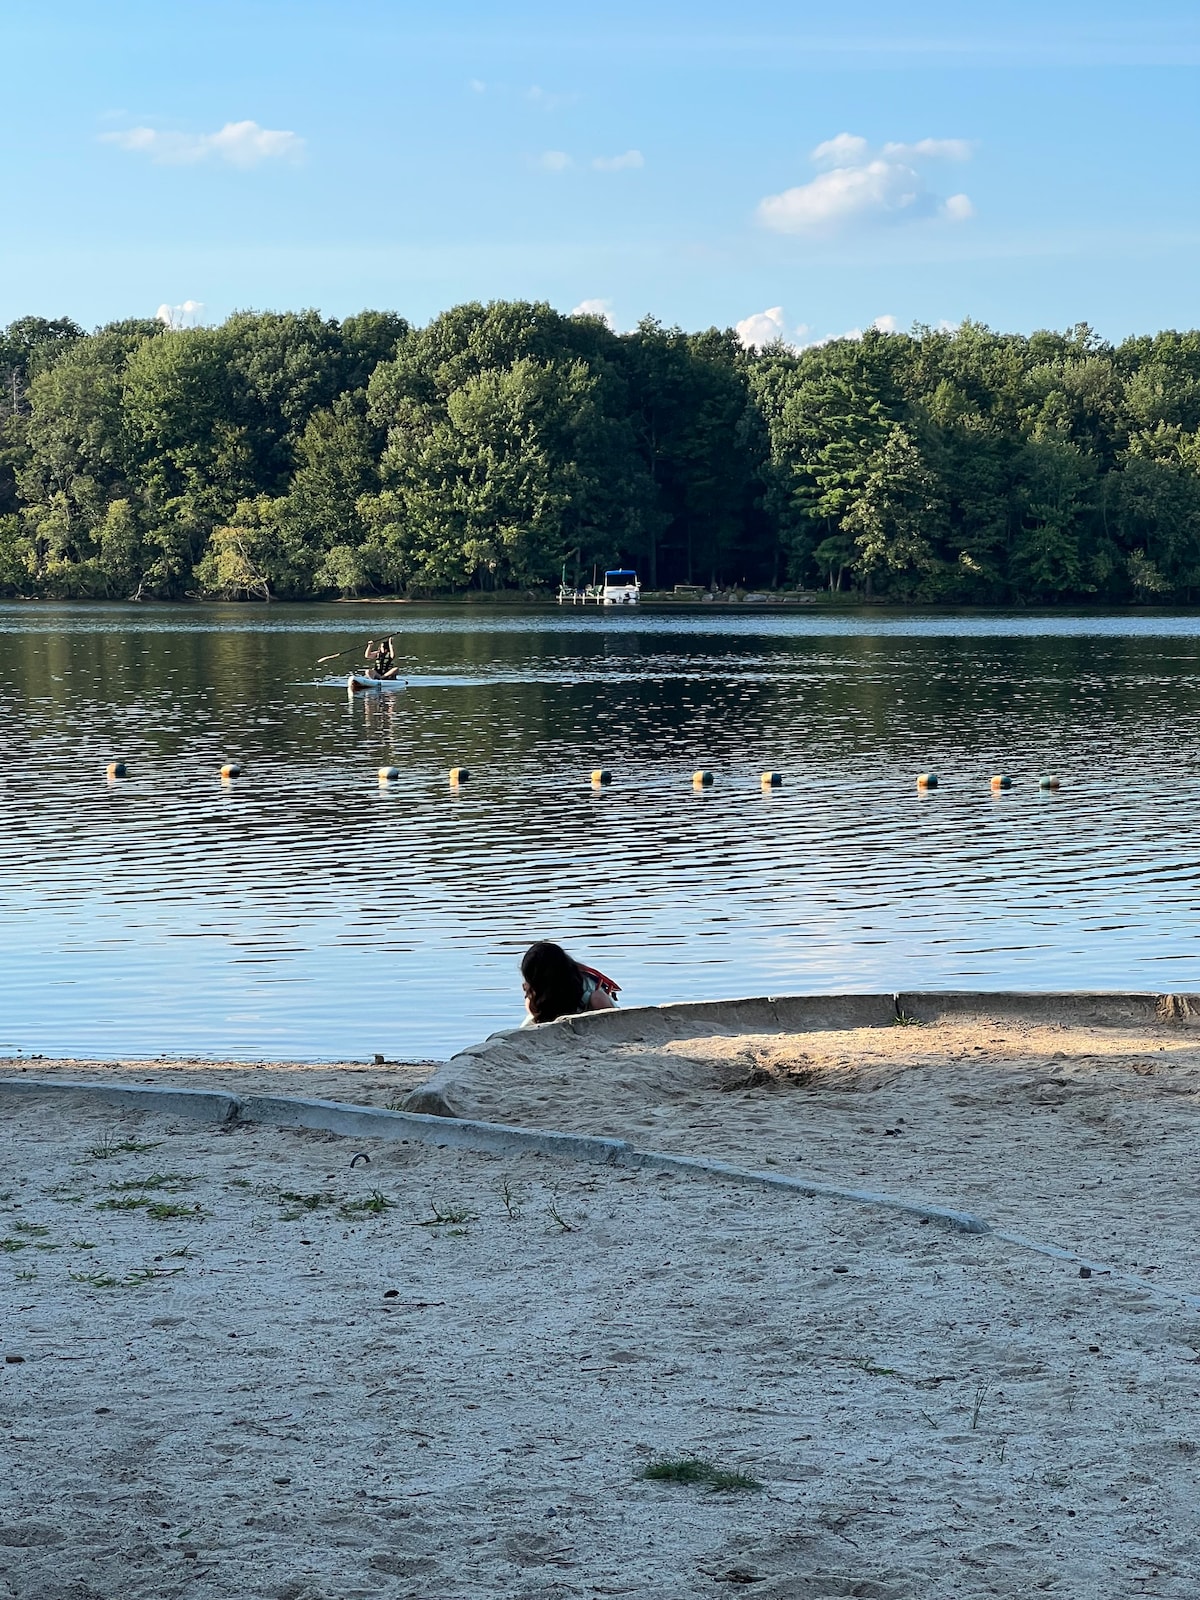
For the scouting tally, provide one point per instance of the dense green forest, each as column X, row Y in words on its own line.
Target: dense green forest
column 288, row 456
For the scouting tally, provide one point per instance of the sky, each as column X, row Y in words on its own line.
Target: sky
column 787, row 168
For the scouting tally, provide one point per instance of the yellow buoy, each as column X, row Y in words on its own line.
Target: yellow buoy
column 459, row 774
column 601, row 775
column 386, row 774
column 1001, row 780
column 231, row 770
column 927, row 780
column 702, row 780
column 772, row 780
column 117, row 769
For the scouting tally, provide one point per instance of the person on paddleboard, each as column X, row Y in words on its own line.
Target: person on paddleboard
column 381, row 659
column 557, row 986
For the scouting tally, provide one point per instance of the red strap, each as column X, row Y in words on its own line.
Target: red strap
column 605, row 983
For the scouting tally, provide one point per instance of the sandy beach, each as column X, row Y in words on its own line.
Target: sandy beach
column 250, row 1367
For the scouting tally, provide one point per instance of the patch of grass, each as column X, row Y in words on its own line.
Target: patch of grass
column 172, row 1182
column 27, row 1275
column 160, row 1210
column 306, row 1202
column 240, row 1183
column 375, row 1203
column 11, row 1246
column 694, row 1469
column 867, row 1365
column 131, row 1280
column 110, row 1147
column 83, row 1244
column 34, row 1229
column 903, row 1020
column 509, row 1197
column 451, row 1215
column 559, row 1221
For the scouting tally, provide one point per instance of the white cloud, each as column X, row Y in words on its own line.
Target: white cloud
column 188, row 315
column 554, row 161
column 847, row 194
column 885, row 324
column 861, row 186
column 762, row 328
column 477, row 86
column 595, row 308
column 930, row 149
column 241, row 144
column 625, row 163
column 840, row 151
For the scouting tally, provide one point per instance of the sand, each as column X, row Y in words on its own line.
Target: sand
column 1080, row 1136
column 380, row 1083
column 322, row 1400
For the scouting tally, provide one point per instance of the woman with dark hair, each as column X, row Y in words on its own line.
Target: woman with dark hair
column 556, row 986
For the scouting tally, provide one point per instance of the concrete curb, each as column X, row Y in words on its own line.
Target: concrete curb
column 369, row 1122
column 202, row 1105
column 1054, row 1252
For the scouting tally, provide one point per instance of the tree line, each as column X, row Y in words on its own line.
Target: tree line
column 286, row 455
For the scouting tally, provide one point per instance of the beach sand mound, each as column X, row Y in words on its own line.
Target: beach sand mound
column 248, row 1362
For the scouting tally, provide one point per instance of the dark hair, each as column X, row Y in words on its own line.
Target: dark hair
column 555, row 981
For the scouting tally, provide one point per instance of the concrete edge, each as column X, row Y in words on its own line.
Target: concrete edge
column 373, row 1122
column 1100, row 1007
column 204, row 1105
column 808, row 1188
column 1055, row 1252
column 334, row 1116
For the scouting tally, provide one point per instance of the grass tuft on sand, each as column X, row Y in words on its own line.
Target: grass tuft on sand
column 694, row 1469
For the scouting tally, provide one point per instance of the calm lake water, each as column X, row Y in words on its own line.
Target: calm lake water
column 304, row 911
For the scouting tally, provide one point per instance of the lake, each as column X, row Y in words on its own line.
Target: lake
column 305, row 911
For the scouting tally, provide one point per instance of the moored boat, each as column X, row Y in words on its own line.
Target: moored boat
column 620, row 588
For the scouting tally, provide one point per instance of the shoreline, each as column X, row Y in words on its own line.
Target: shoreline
column 763, row 600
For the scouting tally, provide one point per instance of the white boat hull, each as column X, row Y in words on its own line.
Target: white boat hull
column 358, row 681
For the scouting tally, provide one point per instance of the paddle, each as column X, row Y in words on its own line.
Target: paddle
column 321, row 660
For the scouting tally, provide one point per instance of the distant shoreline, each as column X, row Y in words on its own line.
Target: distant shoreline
column 752, row 600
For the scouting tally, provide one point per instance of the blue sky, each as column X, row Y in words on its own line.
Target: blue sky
column 1028, row 165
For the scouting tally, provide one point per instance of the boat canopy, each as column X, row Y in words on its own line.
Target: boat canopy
column 620, row 579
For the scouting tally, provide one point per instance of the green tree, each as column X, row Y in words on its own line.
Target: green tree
column 897, row 514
